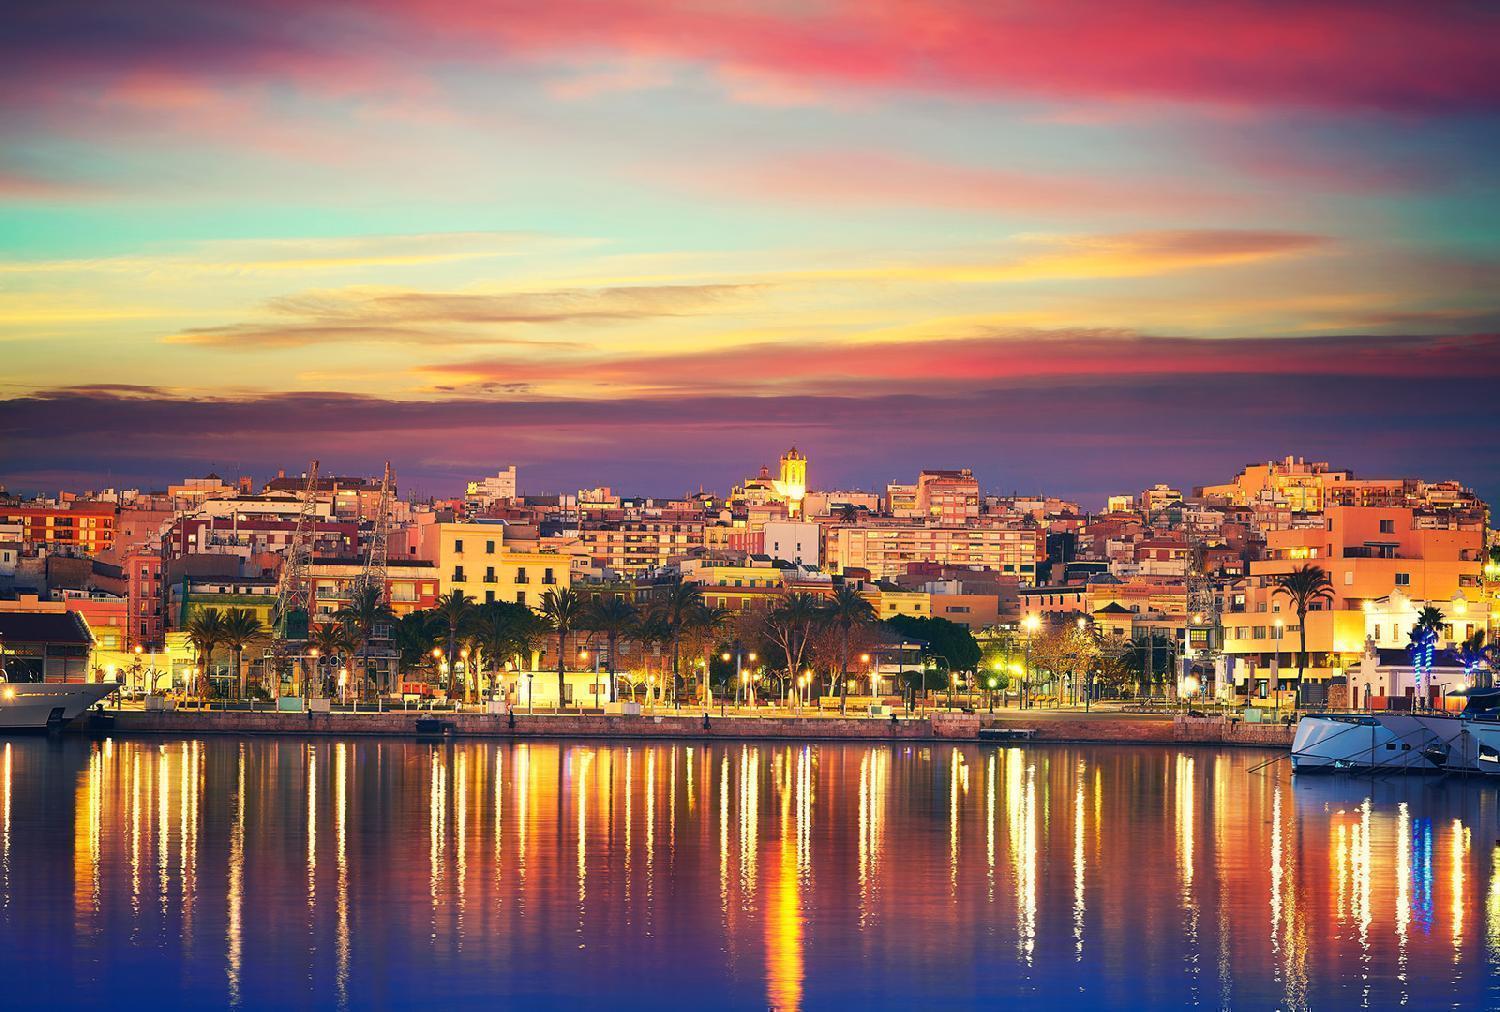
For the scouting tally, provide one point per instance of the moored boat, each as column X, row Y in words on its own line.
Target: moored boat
column 33, row 706
column 1402, row 741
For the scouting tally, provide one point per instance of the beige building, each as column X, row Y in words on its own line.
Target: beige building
column 472, row 557
column 887, row 550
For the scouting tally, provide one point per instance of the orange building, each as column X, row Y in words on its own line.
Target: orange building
column 85, row 525
column 1369, row 553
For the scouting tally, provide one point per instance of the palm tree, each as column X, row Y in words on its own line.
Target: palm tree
column 613, row 616
column 677, row 609
column 331, row 641
column 1431, row 618
column 1424, row 638
column 366, row 610
column 845, row 610
column 205, row 630
column 238, row 629
column 705, row 621
column 1305, row 585
column 502, row 630
column 413, row 636
column 650, row 629
column 563, row 610
column 1473, row 653
column 456, row 609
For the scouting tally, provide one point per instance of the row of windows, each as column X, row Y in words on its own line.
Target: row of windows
column 548, row 576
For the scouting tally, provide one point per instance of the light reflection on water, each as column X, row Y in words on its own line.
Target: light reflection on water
column 273, row 872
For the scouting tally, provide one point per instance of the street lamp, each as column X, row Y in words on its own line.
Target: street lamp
column 1279, row 626
column 1030, row 623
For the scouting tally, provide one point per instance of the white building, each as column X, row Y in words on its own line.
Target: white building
column 794, row 541
column 488, row 491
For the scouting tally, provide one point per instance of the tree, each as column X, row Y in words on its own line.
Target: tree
column 1306, row 585
column 844, row 611
column 613, row 616
column 650, row 631
column 1151, row 656
column 1424, row 637
column 701, row 632
column 454, row 610
column 1431, row 618
column 677, row 609
column 332, row 641
column 954, row 643
column 1472, row 654
column 414, row 635
column 205, row 630
column 237, row 630
column 789, row 624
column 366, row 610
column 563, row 610
column 504, row 630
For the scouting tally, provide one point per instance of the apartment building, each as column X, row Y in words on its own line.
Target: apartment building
column 633, row 547
column 471, row 556
column 887, row 549
column 1370, row 553
column 410, row 585
column 86, row 527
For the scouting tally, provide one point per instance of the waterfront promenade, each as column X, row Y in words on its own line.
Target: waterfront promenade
column 1112, row 726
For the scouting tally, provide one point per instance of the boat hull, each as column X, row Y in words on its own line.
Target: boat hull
column 34, row 706
column 1485, row 741
column 1404, row 742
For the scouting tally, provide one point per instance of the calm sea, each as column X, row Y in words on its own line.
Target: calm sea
column 365, row 873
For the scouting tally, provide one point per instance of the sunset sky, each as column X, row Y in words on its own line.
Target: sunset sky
column 1076, row 246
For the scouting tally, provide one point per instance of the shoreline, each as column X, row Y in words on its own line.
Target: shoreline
column 1034, row 727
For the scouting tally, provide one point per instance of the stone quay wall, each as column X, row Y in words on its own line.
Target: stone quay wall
column 1043, row 726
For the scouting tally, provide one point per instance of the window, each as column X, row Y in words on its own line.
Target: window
column 1387, row 527
column 458, row 574
column 1403, row 579
column 547, row 576
column 520, row 597
column 489, row 574
column 521, row 575
column 489, row 597
column 458, row 545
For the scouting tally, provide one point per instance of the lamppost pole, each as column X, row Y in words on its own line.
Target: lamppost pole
column 1030, row 623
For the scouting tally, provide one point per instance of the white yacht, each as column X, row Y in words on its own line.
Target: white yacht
column 1402, row 741
column 1485, row 740
column 30, row 706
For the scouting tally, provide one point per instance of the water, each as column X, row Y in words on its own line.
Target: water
column 277, row 872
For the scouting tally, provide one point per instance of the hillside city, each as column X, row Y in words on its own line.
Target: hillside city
column 311, row 584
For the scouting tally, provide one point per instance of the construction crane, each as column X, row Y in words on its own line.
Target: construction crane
column 291, row 590
column 377, row 552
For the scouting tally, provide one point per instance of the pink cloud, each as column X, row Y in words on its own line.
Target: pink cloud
column 969, row 363
column 874, row 178
column 1331, row 54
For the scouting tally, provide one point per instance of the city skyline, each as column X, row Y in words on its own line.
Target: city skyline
column 651, row 243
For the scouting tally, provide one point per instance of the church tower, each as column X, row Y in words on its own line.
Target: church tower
column 793, row 482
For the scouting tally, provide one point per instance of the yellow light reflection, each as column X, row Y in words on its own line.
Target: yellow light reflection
column 1458, row 860
column 1078, row 866
column 233, row 937
column 341, row 841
